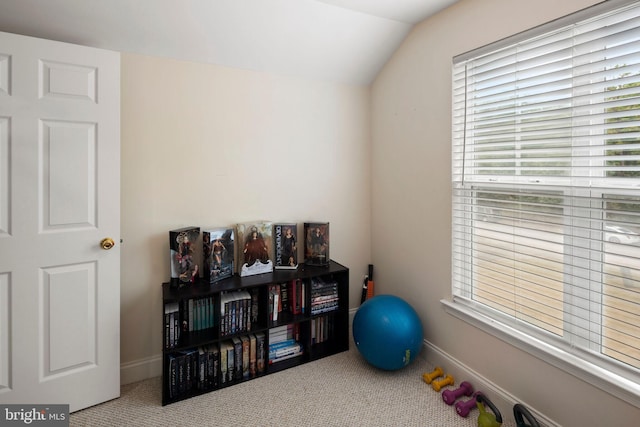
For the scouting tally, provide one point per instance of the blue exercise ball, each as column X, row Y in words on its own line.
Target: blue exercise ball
column 387, row 332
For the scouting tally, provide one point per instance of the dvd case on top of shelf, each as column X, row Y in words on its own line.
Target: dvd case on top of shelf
column 182, row 248
column 285, row 237
column 218, row 246
column 317, row 243
column 255, row 247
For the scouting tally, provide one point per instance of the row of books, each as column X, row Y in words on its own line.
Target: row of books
column 196, row 314
column 284, row 350
column 321, row 329
column 242, row 358
column 288, row 297
column 284, row 343
column 284, row 332
column 276, row 295
column 171, row 325
column 209, row 367
column 324, row 296
column 180, row 370
column 238, row 311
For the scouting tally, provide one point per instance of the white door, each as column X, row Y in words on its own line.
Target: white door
column 59, row 197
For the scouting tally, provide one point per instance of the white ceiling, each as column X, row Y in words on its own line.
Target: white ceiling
column 344, row 41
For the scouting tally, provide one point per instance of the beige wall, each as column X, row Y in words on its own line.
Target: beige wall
column 411, row 203
column 212, row 146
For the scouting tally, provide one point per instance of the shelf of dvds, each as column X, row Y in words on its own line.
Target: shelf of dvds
column 221, row 334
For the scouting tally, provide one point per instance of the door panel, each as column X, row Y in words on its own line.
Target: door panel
column 68, row 80
column 4, row 73
column 69, row 338
column 5, row 328
column 68, row 175
column 5, row 176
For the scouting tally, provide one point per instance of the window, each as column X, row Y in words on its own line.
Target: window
column 546, row 189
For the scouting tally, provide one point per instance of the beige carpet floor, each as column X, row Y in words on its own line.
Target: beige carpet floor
column 340, row 390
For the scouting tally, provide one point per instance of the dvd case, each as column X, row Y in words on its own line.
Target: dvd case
column 255, row 241
column 317, row 243
column 218, row 247
column 182, row 244
column 285, row 236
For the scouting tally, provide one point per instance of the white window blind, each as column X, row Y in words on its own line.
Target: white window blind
column 546, row 185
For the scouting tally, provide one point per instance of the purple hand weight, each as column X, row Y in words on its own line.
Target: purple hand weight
column 463, row 407
column 450, row 396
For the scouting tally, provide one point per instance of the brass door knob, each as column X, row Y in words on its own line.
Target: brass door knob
column 107, row 243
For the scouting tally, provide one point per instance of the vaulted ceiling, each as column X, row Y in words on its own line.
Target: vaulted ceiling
column 344, row 41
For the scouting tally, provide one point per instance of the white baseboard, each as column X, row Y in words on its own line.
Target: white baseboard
column 142, row 369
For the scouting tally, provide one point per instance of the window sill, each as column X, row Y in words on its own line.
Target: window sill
column 610, row 382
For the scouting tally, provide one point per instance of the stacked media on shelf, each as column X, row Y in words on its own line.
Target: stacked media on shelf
column 220, row 334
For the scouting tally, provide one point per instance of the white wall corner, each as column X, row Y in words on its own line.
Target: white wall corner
column 141, row 369
column 352, row 313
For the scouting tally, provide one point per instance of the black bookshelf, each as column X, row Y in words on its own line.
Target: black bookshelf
column 189, row 353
